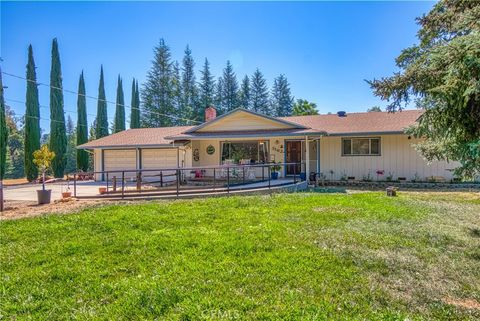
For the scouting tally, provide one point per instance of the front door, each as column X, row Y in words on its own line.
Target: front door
column 293, row 152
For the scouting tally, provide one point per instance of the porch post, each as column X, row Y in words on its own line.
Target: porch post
column 307, row 156
column 318, row 155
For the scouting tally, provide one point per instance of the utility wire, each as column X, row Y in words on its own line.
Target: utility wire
column 96, row 98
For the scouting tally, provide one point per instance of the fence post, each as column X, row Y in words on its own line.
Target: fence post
column 214, row 178
column 295, row 173
column 161, row 179
column 243, row 175
column 228, row 180
column 75, row 185
column 123, row 184
column 114, row 183
column 139, row 181
column 178, row 181
column 269, row 177
column 107, row 182
column 263, row 172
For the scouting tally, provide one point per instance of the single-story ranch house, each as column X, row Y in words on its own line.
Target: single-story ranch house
column 354, row 145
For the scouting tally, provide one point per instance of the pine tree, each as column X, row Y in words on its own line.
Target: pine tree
column 101, row 129
column 177, row 99
column 230, row 89
column 259, row 94
column 135, row 111
column 207, row 88
column 82, row 125
column 218, row 99
column 32, row 119
column 157, row 94
column 282, row 100
column 244, row 96
column 3, row 132
column 190, row 108
column 58, row 136
column 119, row 122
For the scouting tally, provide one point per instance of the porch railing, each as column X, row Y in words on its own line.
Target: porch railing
column 177, row 181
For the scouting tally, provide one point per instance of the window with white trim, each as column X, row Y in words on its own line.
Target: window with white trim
column 361, row 146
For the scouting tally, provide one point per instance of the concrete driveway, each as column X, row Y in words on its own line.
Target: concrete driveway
column 29, row 192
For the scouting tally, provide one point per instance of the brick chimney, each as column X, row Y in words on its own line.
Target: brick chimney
column 210, row 113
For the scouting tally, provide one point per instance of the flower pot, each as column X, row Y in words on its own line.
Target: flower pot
column 274, row 175
column 66, row 194
column 102, row 190
column 44, row 196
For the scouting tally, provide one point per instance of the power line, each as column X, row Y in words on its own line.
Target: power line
column 96, row 98
column 47, row 119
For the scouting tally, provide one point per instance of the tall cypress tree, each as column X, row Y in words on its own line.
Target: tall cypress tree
column 230, row 88
column 32, row 119
column 119, row 122
column 82, row 125
column 3, row 132
column 244, row 95
column 135, row 111
column 102, row 118
column 157, row 92
column 190, row 108
column 58, row 135
column 207, row 88
column 137, row 101
column 282, row 100
column 259, row 93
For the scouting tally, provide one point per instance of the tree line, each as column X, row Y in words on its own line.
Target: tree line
column 170, row 96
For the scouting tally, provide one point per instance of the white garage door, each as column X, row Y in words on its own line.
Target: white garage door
column 159, row 158
column 120, row 160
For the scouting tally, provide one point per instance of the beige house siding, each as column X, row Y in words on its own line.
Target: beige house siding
column 243, row 121
column 398, row 157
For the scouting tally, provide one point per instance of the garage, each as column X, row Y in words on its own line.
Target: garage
column 159, row 158
column 120, row 159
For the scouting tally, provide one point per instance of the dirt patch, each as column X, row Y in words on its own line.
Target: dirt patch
column 21, row 209
column 470, row 304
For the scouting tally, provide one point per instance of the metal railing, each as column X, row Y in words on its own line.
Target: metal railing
column 177, row 181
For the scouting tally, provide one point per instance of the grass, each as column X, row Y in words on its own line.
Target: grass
column 302, row 256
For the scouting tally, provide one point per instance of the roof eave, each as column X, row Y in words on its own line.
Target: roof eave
column 129, row 146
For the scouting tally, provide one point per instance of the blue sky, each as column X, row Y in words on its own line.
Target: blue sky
column 326, row 49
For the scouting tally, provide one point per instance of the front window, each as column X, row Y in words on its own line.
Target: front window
column 245, row 152
column 360, row 146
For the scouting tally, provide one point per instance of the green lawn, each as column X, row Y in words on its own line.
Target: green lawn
column 302, row 256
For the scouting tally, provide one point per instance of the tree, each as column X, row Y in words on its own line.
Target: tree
column 218, row 98
column 244, row 95
column 157, row 93
column 177, row 99
column 43, row 158
column 71, row 163
column 259, row 94
column 32, row 119
column 101, row 129
column 282, row 100
column 441, row 73
column 82, row 125
column 119, row 122
column 229, row 89
column 15, row 158
column 374, row 109
column 190, row 108
column 207, row 88
column 135, row 111
column 3, row 132
column 58, row 136
column 302, row 108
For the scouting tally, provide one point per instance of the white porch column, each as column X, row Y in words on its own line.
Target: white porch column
column 318, row 155
column 307, row 156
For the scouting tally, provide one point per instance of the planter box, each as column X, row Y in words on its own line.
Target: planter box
column 44, row 196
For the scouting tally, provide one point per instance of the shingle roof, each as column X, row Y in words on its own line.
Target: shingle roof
column 352, row 124
column 138, row 137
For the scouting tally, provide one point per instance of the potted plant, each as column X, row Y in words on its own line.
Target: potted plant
column 43, row 159
column 67, row 193
column 274, row 170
